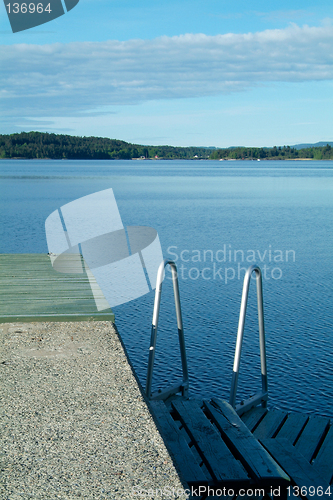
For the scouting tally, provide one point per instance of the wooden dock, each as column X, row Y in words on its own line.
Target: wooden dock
column 263, row 453
column 301, row 444
column 271, row 453
column 31, row 290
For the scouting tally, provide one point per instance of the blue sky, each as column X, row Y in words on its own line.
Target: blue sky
column 201, row 73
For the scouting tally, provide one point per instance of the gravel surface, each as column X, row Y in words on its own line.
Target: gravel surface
column 74, row 422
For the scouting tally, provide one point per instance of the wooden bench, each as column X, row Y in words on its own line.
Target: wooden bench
column 212, row 448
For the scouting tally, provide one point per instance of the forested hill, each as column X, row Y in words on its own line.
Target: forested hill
column 55, row 146
column 276, row 153
column 43, row 145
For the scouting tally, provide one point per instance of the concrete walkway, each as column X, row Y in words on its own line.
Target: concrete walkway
column 74, row 422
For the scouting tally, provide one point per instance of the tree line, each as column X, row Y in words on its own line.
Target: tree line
column 57, row 146
column 32, row 145
column 275, row 153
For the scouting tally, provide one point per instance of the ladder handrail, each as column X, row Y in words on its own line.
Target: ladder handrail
column 183, row 387
column 263, row 395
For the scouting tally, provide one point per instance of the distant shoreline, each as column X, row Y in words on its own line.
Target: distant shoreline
column 44, row 146
column 168, row 159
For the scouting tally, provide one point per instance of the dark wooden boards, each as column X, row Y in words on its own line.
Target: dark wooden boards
column 211, row 446
column 270, row 424
column 299, row 469
column 324, row 458
column 293, row 427
column 301, row 444
column 312, row 436
column 262, row 449
column 185, row 462
column 31, row 290
column 245, row 447
column 214, row 452
column 253, row 417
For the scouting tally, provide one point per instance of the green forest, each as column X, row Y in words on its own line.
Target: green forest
column 57, row 146
column 276, row 153
column 32, row 145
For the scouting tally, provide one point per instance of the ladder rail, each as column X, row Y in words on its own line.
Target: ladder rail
column 183, row 387
column 263, row 395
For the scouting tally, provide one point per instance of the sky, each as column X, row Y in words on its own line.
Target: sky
column 176, row 72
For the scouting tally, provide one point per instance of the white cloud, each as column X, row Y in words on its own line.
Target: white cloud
column 285, row 15
column 71, row 79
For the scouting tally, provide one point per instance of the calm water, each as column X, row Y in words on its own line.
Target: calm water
column 278, row 213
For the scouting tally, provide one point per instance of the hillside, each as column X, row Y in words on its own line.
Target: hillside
column 55, row 146
column 315, row 145
column 276, row 153
column 41, row 145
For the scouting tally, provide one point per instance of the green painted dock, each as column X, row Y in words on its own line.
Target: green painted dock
column 31, row 290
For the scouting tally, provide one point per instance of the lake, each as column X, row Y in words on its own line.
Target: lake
column 215, row 219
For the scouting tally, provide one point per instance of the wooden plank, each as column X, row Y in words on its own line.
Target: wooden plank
column 252, row 418
column 216, row 455
column 270, row 424
column 245, row 447
column 292, row 427
column 311, row 436
column 182, row 455
column 31, row 290
column 323, row 461
column 70, row 304
column 295, row 465
column 63, row 317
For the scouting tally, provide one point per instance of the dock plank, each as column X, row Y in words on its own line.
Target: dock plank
column 296, row 466
column 245, row 447
column 293, row 427
column 323, row 462
column 252, row 418
column 270, row 424
column 218, row 435
column 184, row 460
column 31, row 290
column 218, row 458
column 311, row 436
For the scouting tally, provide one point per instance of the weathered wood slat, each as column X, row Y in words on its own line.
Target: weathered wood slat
column 292, row 427
column 31, row 290
column 323, row 462
column 54, row 317
column 78, row 294
column 253, row 417
column 188, row 468
column 51, row 307
column 270, row 424
column 244, row 446
column 190, row 443
column 23, row 288
column 216, row 455
column 49, row 300
column 220, row 437
column 295, row 465
column 312, row 436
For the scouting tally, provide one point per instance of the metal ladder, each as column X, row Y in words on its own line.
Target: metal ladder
column 262, row 395
column 183, row 386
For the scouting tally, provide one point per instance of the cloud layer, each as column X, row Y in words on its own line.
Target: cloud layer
column 71, row 79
